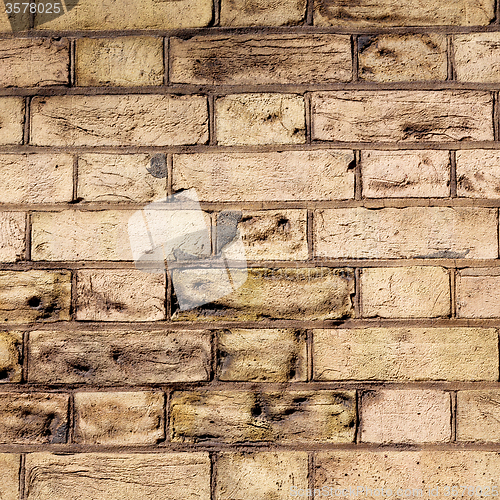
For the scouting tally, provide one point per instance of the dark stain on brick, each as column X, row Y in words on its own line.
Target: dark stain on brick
column 158, row 166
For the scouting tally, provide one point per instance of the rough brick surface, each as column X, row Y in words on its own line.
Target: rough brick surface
column 262, row 13
column 9, row 469
column 477, row 57
column 478, row 174
column 476, row 293
column 11, row 118
column 10, row 356
column 12, row 236
column 478, row 416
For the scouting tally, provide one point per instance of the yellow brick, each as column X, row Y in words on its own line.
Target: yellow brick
column 12, row 120
column 12, row 236
column 477, row 57
column 9, row 470
column 478, row 416
column 262, row 13
column 10, row 356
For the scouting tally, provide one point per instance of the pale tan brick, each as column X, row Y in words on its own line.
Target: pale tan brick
column 36, row 178
column 478, row 173
column 406, row 292
column 231, row 416
column 118, row 120
column 119, row 418
column 273, row 176
column 246, row 59
column 129, row 15
column 260, row 119
column 9, row 470
column 34, row 418
column 12, row 120
column 101, row 476
column 304, row 293
column 27, row 296
column 262, row 13
column 241, row 476
column 419, row 232
column 398, row 174
column 127, row 178
column 120, row 295
column 112, row 356
column 478, row 416
column 123, row 61
column 402, row 116
column 410, row 13
column 401, row 354
column 477, row 57
column 12, row 236
column 406, row 416
column 396, row 58
column 10, row 356
column 33, row 62
column 477, row 292
column 260, row 355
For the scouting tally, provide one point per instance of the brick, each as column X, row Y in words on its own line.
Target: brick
column 406, row 292
column 305, row 294
column 112, row 356
column 14, row 22
column 260, row 119
column 119, row 418
column 378, row 13
column 260, row 475
column 266, row 235
column 10, row 357
column 118, row 120
column 121, row 178
column 403, row 354
column 12, row 236
column 477, row 293
column 120, row 295
column 118, row 476
column 478, row 174
column 123, row 61
column 401, row 174
column 27, row 296
column 277, row 355
column 268, row 59
column 273, row 176
column 368, row 116
column 419, row 232
column 34, row 418
column 477, row 57
column 233, row 417
column 12, row 120
column 396, row 58
column 129, row 15
column 36, row 178
column 9, row 470
column 478, row 416
column 262, row 13
column 34, row 62
column 406, row 416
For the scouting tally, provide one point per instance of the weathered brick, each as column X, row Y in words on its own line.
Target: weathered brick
column 468, row 354
column 406, row 292
column 268, row 59
column 260, row 119
column 105, row 476
column 262, row 355
column 304, row 293
column 411, row 13
column 118, row 120
column 112, row 356
column 398, row 174
column 36, row 178
column 10, row 357
column 9, row 470
column 14, row 22
column 12, row 120
column 260, row 475
column 402, row 115
column 273, row 176
column 122, row 61
column 262, row 13
column 419, row 232
column 478, row 173
column 396, row 58
column 477, row 291
column 230, row 416
column 477, row 57
column 27, row 296
column 119, row 418
column 33, row 418
column 34, row 62
column 478, row 416
column 406, row 416
column 129, row 15
column 12, row 236
column 120, row 295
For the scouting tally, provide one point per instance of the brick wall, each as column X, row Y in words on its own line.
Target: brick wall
column 355, row 146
